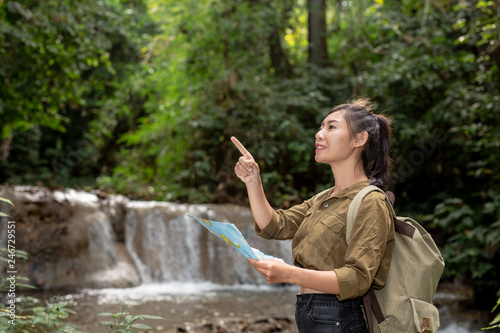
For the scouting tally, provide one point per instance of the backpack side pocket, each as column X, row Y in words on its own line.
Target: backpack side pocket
column 425, row 317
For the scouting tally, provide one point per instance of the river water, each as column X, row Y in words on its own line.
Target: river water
column 185, row 305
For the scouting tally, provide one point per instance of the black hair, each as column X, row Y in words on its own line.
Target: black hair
column 377, row 163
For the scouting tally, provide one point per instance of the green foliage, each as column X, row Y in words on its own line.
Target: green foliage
column 430, row 78
column 496, row 321
column 38, row 46
column 7, row 201
column 470, row 242
column 28, row 316
column 7, row 256
column 123, row 322
column 35, row 318
column 64, row 65
column 182, row 147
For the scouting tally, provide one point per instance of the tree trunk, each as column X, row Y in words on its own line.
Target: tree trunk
column 496, row 52
column 5, row 142
column 279, row 58
column 318, row 53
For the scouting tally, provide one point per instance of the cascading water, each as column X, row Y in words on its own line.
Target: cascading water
column 77, row 239
column 159, row 242
column 101, row 241
column 166, row 245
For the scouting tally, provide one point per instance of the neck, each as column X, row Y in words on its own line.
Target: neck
column 348, row 175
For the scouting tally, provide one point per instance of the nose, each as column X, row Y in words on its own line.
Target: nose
column 319, row 135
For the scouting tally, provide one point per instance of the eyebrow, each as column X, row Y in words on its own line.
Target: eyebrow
column 329, row 122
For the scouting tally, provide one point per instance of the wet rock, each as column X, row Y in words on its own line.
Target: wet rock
column 69, row 240
column 266, row 325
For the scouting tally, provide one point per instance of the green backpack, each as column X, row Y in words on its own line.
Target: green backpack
column 405, row 303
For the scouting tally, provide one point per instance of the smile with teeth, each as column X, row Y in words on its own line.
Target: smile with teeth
column 319, row 147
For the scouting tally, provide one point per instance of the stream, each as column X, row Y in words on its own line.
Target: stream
column 185, row 305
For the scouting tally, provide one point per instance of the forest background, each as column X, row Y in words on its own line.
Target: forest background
column 140, row 97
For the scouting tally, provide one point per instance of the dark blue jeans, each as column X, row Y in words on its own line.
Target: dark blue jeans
column 324, row 313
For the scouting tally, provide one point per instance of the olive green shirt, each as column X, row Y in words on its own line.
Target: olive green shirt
column 319, row 238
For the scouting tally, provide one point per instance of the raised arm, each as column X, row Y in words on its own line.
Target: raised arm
column 248, row 171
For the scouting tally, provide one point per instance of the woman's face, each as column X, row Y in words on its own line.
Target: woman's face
column 334, row 142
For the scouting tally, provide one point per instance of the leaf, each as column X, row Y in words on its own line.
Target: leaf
column 14, row 6
column 6, row 200
column 481, row 4
column 151, row 317
column 26, row 285
column 496, row 320
column 496, row 305
column 70, row 311
column 69, row 329
column 142, row 326
column 106, row 314
column 38, row 309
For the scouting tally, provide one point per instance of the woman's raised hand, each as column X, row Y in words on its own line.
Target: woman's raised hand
column 246, row 168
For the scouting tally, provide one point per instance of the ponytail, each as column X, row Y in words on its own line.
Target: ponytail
column 375, row 157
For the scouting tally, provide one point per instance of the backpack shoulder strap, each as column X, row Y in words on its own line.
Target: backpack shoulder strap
column 370, row 301
column 352, row 211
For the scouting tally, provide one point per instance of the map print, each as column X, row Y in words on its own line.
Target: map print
column 230, row 234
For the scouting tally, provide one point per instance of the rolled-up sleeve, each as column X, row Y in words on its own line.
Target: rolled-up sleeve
column 371, row 233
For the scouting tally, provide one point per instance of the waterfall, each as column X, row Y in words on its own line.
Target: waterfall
column 101, row 241
column 159, row 241
column 77, row 239
column 166, row 245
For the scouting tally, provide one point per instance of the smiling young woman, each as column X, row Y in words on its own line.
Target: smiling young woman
column 336, row 146
column 332, row 274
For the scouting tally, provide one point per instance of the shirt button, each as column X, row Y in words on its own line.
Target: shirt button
column 326, row 204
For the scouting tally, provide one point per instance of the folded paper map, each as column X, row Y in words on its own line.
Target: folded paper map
column 229, row 233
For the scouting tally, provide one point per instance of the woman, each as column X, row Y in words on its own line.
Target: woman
column 332, row 274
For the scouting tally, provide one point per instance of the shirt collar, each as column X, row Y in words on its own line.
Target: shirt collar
column 350, row 191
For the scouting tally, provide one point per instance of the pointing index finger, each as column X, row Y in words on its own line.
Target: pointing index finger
column 240, row 147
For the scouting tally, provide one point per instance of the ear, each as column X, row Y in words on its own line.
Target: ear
column 361, row 139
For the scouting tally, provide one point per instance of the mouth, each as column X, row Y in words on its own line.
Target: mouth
column 320, row 147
